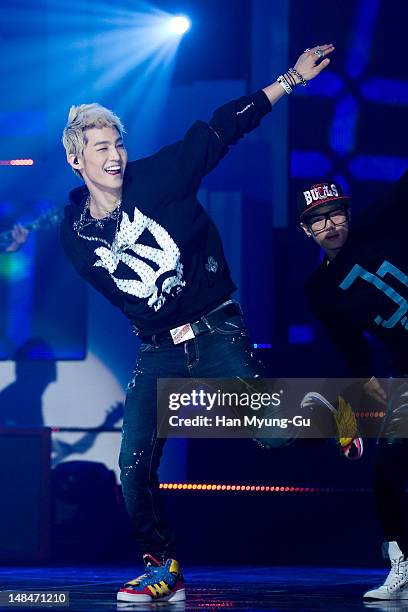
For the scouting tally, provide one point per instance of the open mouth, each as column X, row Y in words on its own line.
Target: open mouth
column 332, row 237
column 113, row 170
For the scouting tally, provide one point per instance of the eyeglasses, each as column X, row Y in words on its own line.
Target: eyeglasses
column 319, row 222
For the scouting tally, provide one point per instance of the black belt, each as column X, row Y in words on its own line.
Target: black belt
column 204, row 324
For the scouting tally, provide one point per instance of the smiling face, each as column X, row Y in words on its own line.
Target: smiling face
column 103, row 161
column 329, row 227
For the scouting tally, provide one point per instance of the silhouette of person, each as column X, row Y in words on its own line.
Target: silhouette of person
column 21, row 401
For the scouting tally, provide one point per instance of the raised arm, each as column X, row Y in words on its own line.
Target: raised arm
column 205, row 144
column 308, row 66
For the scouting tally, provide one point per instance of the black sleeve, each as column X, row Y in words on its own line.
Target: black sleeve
column 205, row 144
column 349, row 341
column 390, row 211
column 74, row 251
column 352, row 345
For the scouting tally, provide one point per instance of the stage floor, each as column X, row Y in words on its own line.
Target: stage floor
column 241, row 588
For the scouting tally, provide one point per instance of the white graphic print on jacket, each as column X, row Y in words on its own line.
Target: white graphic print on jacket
column 166, row 276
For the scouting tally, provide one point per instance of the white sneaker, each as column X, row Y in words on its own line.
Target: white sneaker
column 396, row 584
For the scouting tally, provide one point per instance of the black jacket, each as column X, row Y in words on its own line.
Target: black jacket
column 165, row 265
column 364, row 291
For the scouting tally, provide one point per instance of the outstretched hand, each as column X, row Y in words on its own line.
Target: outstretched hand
column 313, row 61
column 308, row 66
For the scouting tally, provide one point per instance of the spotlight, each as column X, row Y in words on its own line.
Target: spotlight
column 179, row 25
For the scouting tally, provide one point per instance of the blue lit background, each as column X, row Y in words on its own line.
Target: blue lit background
column 348, row 125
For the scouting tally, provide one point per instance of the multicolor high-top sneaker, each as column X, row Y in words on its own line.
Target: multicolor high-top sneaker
column 160, row 582
column 350, row 443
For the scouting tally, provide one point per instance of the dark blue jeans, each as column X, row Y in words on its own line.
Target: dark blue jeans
column 224, row 351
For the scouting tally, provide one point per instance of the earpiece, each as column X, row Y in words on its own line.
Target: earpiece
column 76, row 162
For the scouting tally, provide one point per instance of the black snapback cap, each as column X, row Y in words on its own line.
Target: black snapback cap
column 318, row 194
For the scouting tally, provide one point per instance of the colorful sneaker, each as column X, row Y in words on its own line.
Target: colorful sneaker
column 396, row 583
column 160, row 582
column 350, row 443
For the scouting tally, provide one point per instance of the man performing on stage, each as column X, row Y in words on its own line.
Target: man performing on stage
column 360, row 288
column 137, row 233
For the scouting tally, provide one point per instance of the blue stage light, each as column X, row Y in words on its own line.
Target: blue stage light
column 304, row 163
column 301, row 334
column 377, row 167
column 179, row 25
column 343, row 129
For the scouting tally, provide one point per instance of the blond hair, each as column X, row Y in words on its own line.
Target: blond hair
column 85, row 117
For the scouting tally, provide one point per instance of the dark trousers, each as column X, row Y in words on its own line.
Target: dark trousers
column 391, row 468
column 223, row 351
